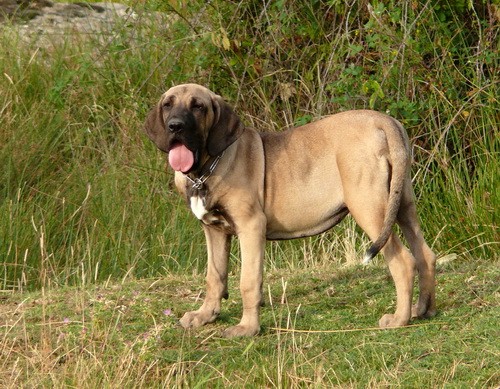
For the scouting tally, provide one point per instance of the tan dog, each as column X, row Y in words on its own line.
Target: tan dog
column 288, row 185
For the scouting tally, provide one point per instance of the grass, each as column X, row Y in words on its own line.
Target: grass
column 95, row 246
column 125, row 334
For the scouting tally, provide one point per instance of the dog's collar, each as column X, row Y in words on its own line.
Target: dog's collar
column 209, row 166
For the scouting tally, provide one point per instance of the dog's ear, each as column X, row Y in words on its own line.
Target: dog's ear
column 226, row 129
column 155, row 128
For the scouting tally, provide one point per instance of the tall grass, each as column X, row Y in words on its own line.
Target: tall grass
column 82, row 193
column 435, row 68
column 84, row 196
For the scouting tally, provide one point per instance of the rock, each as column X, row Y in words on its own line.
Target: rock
column 44, row 22
column 22, row 9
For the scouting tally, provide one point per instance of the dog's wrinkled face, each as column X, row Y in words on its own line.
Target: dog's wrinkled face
column 191, row 122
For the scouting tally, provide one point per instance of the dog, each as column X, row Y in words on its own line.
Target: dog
column 291, row 184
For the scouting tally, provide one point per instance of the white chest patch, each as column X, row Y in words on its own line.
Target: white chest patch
column 198, row 206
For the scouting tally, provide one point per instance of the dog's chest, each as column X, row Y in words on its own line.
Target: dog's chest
column 207, row 214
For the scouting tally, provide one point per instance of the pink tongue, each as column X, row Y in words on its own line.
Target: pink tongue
column 180, row 158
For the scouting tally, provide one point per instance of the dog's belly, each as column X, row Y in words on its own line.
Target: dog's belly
column 303, row 213
column 277, row 231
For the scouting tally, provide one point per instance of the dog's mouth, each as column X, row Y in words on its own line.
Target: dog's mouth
column 180, row 158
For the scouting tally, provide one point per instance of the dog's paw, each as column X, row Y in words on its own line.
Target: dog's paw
column 391, row 321
column 422, row 311
column 197, row 319
column 241, row 330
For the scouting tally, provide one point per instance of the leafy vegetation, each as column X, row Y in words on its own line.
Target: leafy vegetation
column 92, row 231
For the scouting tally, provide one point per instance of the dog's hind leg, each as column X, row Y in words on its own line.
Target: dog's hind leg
column 425, row 258
column 369, row 211
column 402, row 267
column 218, row 246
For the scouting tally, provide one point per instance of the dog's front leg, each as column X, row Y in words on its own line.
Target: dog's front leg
column 218, row 246
column 252, row 243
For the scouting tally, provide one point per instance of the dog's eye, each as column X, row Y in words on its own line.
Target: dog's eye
column 167, row 104
column 198, row 106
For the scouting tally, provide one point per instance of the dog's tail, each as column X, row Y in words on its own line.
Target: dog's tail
column 399, row 161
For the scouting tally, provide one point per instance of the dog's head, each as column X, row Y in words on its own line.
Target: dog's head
column 190, row 122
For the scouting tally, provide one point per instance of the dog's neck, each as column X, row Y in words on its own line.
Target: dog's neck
column 197, row 179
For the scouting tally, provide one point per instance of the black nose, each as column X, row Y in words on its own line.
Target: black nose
column 175, row 125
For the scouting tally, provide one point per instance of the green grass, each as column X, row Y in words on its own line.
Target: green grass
column 92, row 230
column 123, row 334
